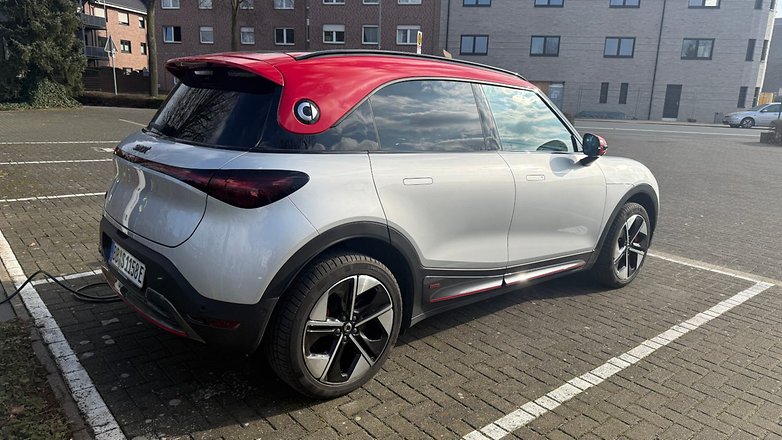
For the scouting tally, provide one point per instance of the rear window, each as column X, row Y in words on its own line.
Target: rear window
column 218, row 107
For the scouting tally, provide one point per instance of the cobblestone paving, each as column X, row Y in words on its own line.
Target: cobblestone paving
column 462, row 370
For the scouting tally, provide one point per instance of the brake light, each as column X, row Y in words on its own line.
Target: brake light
column 241, row 188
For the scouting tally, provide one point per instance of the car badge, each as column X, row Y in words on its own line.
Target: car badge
column 141, row 148
column 307, row 112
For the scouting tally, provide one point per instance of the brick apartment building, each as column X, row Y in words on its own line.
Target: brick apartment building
column 188, row 27
column 125, row 21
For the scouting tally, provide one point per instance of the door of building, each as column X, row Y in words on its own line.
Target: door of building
column 673, row 94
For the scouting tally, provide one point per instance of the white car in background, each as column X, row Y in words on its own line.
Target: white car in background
column 759, row 115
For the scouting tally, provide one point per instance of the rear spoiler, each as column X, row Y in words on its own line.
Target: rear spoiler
column 178, row 66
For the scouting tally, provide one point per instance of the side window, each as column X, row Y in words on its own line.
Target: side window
column 354, row 133
column 428, row 116
column 525, row 122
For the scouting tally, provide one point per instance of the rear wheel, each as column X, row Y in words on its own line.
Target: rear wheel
column 747, row 123
column 625, row 248
column 336, row 326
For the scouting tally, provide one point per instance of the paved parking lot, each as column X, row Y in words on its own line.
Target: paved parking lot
column 560, row 360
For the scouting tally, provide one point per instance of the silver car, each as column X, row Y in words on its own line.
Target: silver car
column 760, row 115
column 315, row 205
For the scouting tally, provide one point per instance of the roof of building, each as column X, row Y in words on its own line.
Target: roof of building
column 131, row 5
column 337, row 81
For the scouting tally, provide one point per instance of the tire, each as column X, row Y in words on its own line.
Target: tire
column 617, row 264
column 747, row 123
column 305, row 345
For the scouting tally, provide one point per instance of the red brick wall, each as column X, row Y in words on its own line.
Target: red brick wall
column 132, row 32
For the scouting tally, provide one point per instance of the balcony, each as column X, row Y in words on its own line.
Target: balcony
column 93, row 22
column 95, row 53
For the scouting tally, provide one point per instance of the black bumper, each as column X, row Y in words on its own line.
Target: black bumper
column 169, row 301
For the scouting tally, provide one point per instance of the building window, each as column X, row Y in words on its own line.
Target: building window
column 544, row 46
column 773, row 4
column 407, row 35
column 143, row 48
column 704, row 3
column 333, row 2
column 283, row 36
column 172, row 34
column 697, row 48
column 624, row 3
column 142, row 23
column 474, row 45
column 369, row 35
column 409, row 2
column 99, row 12
column 169, row 4
column 756, row 96
column 623, row 93
column 619, row 47
column 204, row 4
column 764, row 52
column 549, row 3
column 334, row 33
column 283, row 4
column 206, row 34
column 124, row 46
column 371, row 2
column 247, row 35
column 246, row 4
column 758, row 4
column 603, row 93
column 742, row 97
column 123, row 18
column 477, row 3
column 751, row 50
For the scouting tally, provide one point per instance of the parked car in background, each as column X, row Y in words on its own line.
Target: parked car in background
column 317, row 204
column 760, row 115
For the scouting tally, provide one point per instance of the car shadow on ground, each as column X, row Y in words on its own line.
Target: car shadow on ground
column 157, row 384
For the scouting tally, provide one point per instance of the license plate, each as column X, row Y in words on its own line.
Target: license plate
column 127, row 264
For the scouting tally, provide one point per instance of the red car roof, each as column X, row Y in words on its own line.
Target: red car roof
column 338, row 82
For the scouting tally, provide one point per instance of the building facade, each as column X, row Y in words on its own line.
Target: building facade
column 643, row 59
column 773, row 80
column 189, row 27
column 125, row 21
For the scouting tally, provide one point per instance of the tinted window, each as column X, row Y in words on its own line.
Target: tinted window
column 525, row 122
column 220, row 107
column 427, row 116
column 354, row 133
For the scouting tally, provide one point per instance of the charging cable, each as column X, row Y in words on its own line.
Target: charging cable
column 77, row 293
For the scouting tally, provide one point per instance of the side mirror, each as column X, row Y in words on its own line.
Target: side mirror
column 594, row 146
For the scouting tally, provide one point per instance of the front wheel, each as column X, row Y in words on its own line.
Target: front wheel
column 625, row 248
column 747, row 123
column 336, row 325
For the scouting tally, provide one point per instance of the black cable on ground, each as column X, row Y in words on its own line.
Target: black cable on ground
column 77, row 293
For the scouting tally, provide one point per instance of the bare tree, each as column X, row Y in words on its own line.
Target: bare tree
column 152, row 47
column 234, row 4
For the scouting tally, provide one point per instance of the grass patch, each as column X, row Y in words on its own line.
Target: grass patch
column 28, row 408
column 121, row 100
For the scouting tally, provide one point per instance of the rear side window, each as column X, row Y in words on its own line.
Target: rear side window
column 525, row 122
column 218, row 107
column 428, row 116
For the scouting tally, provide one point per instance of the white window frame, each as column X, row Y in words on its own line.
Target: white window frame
column 285, row 41
column 246, row 4
column 127, row 18
column 201, row 31
column 334, row 28
column 205, row 4
column 412, row 36
column 373, row 43
column 371, row 2
column 122, row 46
column 284, row 4
column 333, row 2
column 142, row 23
column 172, row 34
column 246, row 30
column 142, row 48
column 409, row 2
column 169, row 4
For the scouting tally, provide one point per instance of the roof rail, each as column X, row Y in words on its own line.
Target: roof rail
column 338, row 52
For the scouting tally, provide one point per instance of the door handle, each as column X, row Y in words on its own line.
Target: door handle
column 417, row 181
column 535, row 177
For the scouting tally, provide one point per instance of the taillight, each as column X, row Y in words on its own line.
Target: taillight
column 241, row 188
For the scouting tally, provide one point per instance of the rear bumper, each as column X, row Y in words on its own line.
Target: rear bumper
column 170, row 302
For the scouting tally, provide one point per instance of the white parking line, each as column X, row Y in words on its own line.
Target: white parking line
column 47, row 162
column 63, row 196
column 83, row 390
column 134, row 123
column 582, row 127
column 67, row 277
column 536, row 408
column 57, row 142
